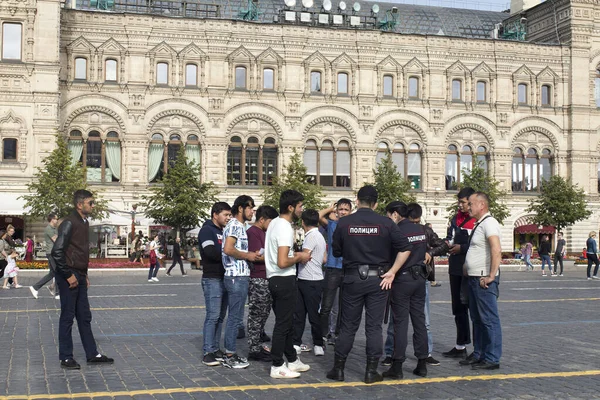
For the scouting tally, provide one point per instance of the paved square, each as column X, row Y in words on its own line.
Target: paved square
column 551, row 329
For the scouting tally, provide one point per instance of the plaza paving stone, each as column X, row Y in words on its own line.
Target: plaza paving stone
column 154, row 332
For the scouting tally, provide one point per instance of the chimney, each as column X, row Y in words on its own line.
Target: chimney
column 517, row 6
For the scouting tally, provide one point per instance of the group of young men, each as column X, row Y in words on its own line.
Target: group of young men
column 376, row 263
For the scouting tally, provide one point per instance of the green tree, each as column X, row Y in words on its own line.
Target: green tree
column 295, row 178
column 390, row 185
column 481, row 181
column 54, row 183
column 560, row 204
column 180, row 200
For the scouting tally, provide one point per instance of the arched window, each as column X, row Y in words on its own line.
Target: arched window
column 110, row 70
column 9, row 149
column 413, row 88
column 80, row 68
column 413, row 172
column 251, row 164
column 162, row 73
column 173, row 148
column 240, row 77
column 522, row 93
column 192, row 149
column 342, row 83
column 452, row 168
column 162, row 156
column 530, row 169
column 327, row 166
column 457, row 92
column 101, row 159
column 191, row 75
column 315, row 82
column 482, row 157
column 407, row 161
column 459, row 162
column 268, row 79
column 388, row 85
column 482, row 92
column 597, row 88
column 546, row 96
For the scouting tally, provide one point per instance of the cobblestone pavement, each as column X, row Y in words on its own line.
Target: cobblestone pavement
column 551, row 328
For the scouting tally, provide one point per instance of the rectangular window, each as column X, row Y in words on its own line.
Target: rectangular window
column 80, row 68
column 481, row 92
column 522, row 93
column 457, row 90
column 342, row 83
column 315, row 82
column 268, row 79
column 388, row 85
column 326, row 165
column 251, row 166
column 111, row 70
column 240, row 77
column 11, row 41
column 546, row 92
column 413, row 88
column 191, row 75
column 162, row 74
column 9, row 149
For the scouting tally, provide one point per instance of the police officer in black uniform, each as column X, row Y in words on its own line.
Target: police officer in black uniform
column 368, row 243
column 407, row 280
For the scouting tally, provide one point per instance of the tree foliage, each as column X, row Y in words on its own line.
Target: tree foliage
column 180, row 200
column 53, row 185
column 390, row 185
column 481, row 181
column 560, row 204
column 295, row 178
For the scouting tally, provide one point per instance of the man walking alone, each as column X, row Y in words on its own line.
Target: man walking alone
column 50, row 235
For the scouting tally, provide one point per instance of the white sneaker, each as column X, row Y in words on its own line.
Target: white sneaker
column 155, row 279
column 20, row 286
column 593, row 277
column 57, row 297
column 319, row 350
column 298, row 350
column 33, row 292
column 298, row 366
column 150, row 280
column 283, row 372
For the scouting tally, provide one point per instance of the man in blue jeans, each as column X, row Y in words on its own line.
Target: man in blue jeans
column 210, row 240
column 237, row 275
column 483, row 268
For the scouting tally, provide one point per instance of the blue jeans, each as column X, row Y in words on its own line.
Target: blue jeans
column 546, row 259
column 527, row 259
column 236, row 289
column 216, row 307
column 389, row 341
column 487, row 332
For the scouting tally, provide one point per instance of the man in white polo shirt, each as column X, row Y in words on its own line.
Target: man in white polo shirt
column 483, row 268
column 280, row 262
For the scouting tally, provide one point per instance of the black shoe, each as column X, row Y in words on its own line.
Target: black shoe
column 432, row 361
column 371, row 374
column 69, row 364
column 100, row 360
column 421, row 369
column 210, row 360
column 470, row 360
column 395, row 372
column 264, row 337
column 219, row 355
column 337, row 372
column 261, row 355
column 387, row 362
column 241, row 333
column 486, row 365
column 455, row 353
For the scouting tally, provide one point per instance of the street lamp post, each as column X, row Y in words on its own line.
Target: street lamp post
column 133, row 221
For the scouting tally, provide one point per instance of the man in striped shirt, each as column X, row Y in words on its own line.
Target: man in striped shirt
column 310, row 284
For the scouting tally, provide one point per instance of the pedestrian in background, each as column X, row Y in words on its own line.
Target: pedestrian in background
column 592, row 256
column 50, row 235
column 28, row 249
column 527, row 253
column 11, row 270
column 154, row 264
column 177, row 258
column 544, row 252
column 559, row 254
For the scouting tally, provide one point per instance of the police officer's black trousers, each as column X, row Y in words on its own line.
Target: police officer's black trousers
column 408, row 299
column 356, row 294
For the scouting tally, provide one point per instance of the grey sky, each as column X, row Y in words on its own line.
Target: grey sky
column 489, row 5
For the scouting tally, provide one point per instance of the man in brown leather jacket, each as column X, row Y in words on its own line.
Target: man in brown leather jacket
column 70, row 258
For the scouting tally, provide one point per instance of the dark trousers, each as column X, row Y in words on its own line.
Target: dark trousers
column 175, row 261
column 283, row 291
column 74, row 304
column 333, row 280
column 309, row 299
column 408, row 300
column 45, row 279
column 356, row 294
column 558, row 258
column 460, row 310
column 153, row 270
column 592, row 259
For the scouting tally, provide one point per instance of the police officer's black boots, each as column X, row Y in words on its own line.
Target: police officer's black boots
column 337, row 372
column 395, row 371
column 371, row 374
column 421, row 369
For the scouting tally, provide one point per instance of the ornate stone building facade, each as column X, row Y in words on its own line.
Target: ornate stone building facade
column 129, row 89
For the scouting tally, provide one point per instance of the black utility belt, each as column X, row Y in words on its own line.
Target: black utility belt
column 364, row 271
column 417, row 270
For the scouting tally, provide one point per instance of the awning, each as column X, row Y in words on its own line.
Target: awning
column 112, row 220
column 536, row 229
column 10, row 204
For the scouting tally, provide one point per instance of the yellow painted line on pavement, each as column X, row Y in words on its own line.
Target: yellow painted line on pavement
column 530, row 300
column 214, row 389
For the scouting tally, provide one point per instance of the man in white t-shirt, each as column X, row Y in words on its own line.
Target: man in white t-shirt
column 280, row 262
column 482, row 265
